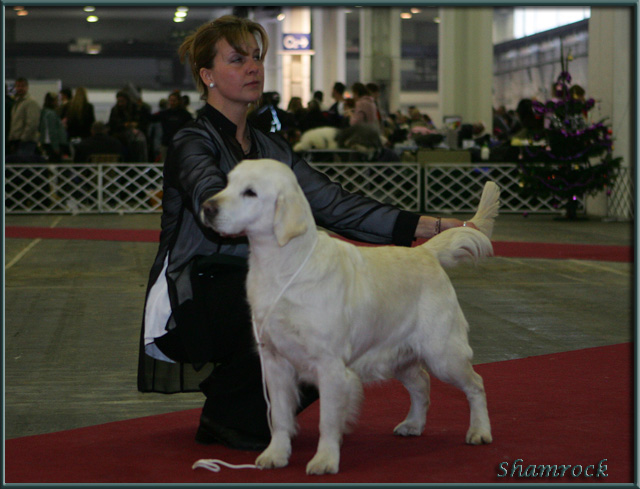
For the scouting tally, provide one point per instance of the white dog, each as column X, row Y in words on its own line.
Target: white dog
column 336, row 315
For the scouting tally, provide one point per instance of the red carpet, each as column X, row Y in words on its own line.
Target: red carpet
column 512, row 249
column 570, row 409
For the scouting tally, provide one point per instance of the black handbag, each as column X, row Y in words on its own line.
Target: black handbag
column 215, row 324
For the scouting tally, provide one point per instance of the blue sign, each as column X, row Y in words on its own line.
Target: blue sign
column 296, row 42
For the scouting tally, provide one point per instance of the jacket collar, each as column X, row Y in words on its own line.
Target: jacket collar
column 219, row 121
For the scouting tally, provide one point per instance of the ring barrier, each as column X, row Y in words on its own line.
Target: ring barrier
column 434, row 187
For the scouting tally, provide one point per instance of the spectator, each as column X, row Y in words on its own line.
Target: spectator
column 365, row 111
column 80, row 115
column 25, row 121
column 124, row 124
column 53, row 136
column 186, row 103
column 98, row 143
column 8, row 104
column 335, row 114
column 65, row 98
column 268, row 117
column 296, row 108
column 318, row 96
column 312, row 117
column 171, row 120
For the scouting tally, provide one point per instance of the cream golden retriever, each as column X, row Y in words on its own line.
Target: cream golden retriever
column 336, row 315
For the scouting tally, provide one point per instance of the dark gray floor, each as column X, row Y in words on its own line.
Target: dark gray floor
column 73, row 311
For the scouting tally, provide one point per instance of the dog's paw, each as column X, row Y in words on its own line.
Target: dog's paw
column 324, row 462
column 479, row 436
column 273, row 458
column 407, row 428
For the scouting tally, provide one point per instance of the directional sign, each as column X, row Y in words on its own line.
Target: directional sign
column 296, row 42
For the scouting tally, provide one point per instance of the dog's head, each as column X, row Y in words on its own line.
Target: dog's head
column 262, row 198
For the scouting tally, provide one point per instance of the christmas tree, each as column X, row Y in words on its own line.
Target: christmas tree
column 571, row 157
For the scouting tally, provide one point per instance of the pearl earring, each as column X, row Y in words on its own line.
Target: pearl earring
column 211, row 85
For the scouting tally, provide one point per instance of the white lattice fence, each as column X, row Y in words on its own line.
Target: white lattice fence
column 136, row 187
column 457, row 187
column 620, row 202
column 78, row 188
column 391, row 183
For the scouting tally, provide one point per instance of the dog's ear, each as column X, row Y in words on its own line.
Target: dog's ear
column 290, row 218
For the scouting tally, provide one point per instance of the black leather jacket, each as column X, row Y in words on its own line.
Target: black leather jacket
column 198, row 161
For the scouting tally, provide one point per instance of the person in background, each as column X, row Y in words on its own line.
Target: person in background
column 296, row 109
column 198, row 316
column 269, row 117
column 365, row 111
column 80, row 115
column 335, row 114
column 53, row 135
column 318, row 96
column 186, row 103
column 174, row 117
column 124, row 123
column 65, row 98
column 8, row 104
column 100, row 142
column 25, row 121
column 374, row 90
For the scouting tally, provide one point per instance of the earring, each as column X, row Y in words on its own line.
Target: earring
column 211, row 85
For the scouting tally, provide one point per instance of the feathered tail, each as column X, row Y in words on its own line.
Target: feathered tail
column 487, row 209
column 461, row 244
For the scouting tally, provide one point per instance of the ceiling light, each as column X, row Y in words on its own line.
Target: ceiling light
column 94, row 49
column 405, row 15
column 92, row 18
column 180, row 14
column 415, row 10
column 22, row 13
column 182, row 9
column 178, row 19
column 89, row 9
column 281, row 17
column 18, row 8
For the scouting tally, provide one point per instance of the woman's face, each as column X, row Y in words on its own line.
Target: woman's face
column 238, row 78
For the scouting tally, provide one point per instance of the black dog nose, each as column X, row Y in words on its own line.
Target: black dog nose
column 210, row 209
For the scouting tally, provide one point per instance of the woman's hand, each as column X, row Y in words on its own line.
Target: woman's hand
column 429, row 226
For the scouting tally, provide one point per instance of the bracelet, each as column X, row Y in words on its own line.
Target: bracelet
column 438, row 223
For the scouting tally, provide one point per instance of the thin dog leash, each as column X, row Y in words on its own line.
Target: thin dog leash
column 214, row 464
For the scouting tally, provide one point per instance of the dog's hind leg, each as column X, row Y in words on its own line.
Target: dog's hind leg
column 416, row 380
column 459, row 372
column 283, row 398
column 340, row 393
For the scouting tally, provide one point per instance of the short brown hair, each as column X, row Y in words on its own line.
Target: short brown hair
column 200, row 47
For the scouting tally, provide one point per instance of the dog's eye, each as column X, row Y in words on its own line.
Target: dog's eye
column 249, row 193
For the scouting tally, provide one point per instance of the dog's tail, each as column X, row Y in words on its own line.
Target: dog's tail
column 462, row 244
column 487, row 209
column 458, row 245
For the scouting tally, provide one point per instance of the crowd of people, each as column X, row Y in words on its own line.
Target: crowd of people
column 64, row 127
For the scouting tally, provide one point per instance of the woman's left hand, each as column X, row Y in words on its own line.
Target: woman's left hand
column 428, row 226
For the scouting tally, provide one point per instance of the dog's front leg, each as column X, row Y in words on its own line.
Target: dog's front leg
column 282, row 391
column 340, row 395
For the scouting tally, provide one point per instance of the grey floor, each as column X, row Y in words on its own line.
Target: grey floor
column 73, row 311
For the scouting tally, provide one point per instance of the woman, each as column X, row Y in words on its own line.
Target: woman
column 365, row 110
column 53, row 136
column 201, row 317
column 79, row 115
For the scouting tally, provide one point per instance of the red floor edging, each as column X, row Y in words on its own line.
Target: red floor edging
column 512, row 249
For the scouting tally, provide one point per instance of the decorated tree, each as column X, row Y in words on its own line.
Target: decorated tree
column 571, row 156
